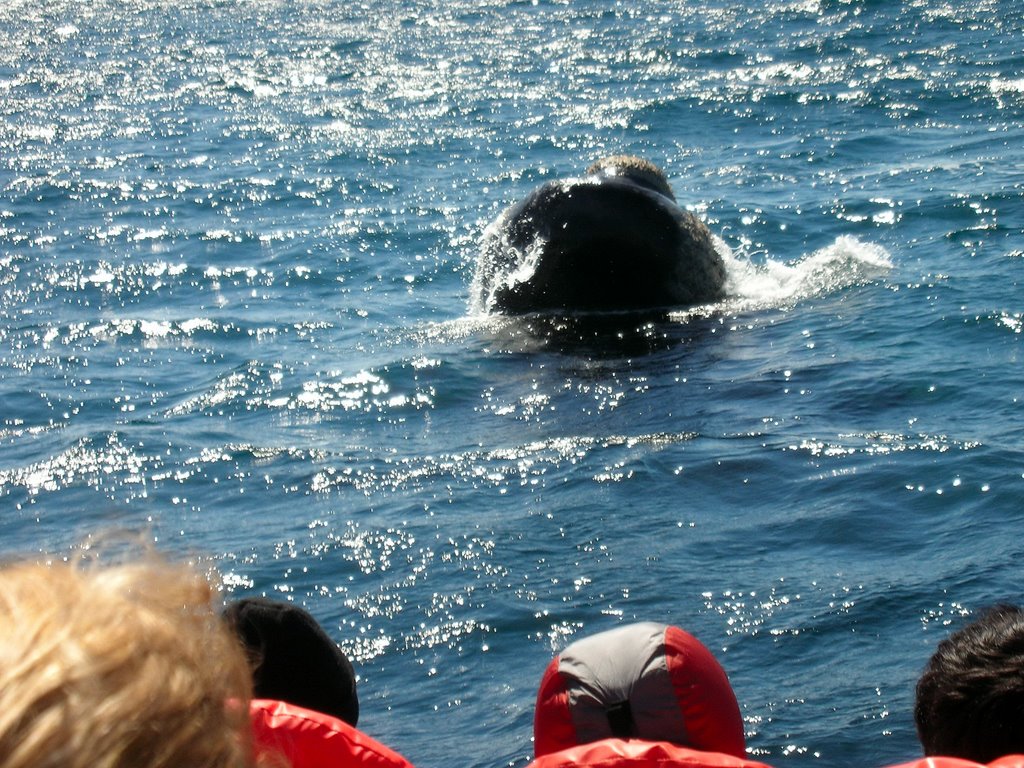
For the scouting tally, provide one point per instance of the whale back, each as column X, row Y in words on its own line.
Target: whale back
column 597, row 244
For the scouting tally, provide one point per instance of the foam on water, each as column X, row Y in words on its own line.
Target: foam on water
column 770, row 283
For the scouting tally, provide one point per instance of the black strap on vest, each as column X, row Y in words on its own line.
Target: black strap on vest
column 620, row 720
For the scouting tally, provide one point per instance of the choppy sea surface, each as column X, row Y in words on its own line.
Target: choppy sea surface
column 237, row 314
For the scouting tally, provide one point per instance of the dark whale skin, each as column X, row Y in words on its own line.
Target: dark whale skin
column 601, row 243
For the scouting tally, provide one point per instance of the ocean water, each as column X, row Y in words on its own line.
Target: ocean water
column 237, row 254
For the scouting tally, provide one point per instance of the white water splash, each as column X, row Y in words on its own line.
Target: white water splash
column 763, row 285
column 493, row 271
column 752, row 286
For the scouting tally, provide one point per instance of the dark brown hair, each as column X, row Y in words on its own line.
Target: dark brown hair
column 970, row 698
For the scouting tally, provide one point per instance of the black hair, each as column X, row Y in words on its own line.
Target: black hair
column 292, row 659
column 970, row 698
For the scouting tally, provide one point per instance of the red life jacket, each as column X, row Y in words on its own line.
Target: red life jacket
column 635, row 753
column 308, row 739
column 1009, row 761
column 645, row 681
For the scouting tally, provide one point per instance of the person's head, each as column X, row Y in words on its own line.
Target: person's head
column 125, row 666
column 970, row 697
column 636, row 169
column 640, row 681
column 293, row 659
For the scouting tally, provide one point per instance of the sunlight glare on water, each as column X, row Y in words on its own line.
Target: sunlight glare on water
column 238, row 244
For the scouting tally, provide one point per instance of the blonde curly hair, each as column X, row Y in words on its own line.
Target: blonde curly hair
column 125, row 666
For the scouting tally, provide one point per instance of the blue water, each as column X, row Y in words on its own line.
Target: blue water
column 237, row 251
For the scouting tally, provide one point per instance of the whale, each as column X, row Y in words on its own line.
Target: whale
column 613, row 239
